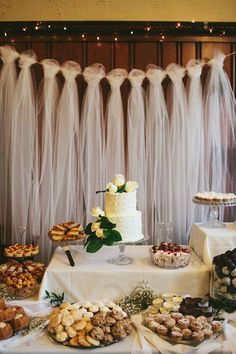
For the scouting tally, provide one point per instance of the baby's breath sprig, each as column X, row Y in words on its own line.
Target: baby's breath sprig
column 138, row 300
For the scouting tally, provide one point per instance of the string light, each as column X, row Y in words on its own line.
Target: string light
column 65, row 28
column 162, row 37
column 148, row 28
column 116, row 39
column 49, row 26
column 210, row 30
column 193, row 20
column 178, row 24
column 5, row 34
column 36, row 27
column 83, row 35
column 98, row 38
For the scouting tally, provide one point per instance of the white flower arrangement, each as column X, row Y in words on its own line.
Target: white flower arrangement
column 119, row 185
column 100, row 232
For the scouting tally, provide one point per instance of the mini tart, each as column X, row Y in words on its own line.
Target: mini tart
column 6, row 330
column 2, row 304
column 20, row 321
column 7, row 314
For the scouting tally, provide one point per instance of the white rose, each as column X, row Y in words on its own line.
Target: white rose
column 131, row 186
column 99, row 233
column 119, row 180
column 95, row 212
column 95, row 226
column 111, row 187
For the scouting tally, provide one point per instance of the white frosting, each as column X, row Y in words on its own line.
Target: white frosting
column 120, row 203
column 120, row 208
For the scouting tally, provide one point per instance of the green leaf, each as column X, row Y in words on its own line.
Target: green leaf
column 90, row 238
column 121, row 189
column 94, row 246
column 106, row 224
column 88, row 229
column 116, row 236
column 108, row 241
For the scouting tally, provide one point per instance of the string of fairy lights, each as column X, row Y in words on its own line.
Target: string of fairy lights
column 161, row 29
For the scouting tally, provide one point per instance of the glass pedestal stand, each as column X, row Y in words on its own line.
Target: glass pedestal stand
column 213, row 220
column 122, row 259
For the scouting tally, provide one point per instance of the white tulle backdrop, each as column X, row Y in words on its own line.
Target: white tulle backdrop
column 53, row 159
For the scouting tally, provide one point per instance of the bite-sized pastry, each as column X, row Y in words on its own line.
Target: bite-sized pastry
column 118, row 331
column 67, row 320
column 170, row 323
column 97, row 333
column 99, row 319
column 177, row 315
column 20, row 321
column 6, row 330
column 216, row 326
column 68, row 231
column 187, row 333
column 196, row 325
column 2, row 304
column 7, row 314
column 71, row 332
column 208, row 333
column 176, row 335
column 62, row 336
column 161, row 329
column 108, row 338
column 117, row 314
column 198, row 336
column 183, row 323
column 109, row 321
column 78, row 326
column 92, row 341
column 127, row 326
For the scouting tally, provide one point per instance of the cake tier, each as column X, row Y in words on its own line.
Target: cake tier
column 129, row 226
column 120, row 203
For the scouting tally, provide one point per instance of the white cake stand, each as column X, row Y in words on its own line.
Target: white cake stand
column 122, row 259
column 213, row 220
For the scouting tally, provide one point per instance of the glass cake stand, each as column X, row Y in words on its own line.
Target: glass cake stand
column 213, row 220
column 122, row 259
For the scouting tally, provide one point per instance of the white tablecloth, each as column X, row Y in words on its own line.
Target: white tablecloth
column 94, row 278
column 209, row 242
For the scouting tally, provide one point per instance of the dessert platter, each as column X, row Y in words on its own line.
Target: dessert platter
column 20, row 278
column 19, row 251
column 214, row 201
column 64, row 233
column 183, row 320
column 170, row 256
column 224, row 275
column 88, row 325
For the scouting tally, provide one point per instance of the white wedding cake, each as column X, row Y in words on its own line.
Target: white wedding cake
column 121, row 209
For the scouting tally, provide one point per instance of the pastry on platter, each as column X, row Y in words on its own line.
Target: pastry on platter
column 89, row 325
column 68, row 231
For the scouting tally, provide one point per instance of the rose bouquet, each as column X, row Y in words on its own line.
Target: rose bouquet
column 119, row 185
column 100, row 232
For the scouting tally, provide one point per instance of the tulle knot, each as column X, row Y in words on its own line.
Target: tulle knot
column 194, row 68
column 70, row 69
column 93, row 74
column 136, row 77
column 50, row 67
column 155, row 74
column 218, row 59
column 116, row 77
column 27, row 59
column 8, row 54
column 175, row 72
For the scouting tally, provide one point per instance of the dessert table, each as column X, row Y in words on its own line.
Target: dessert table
column 209, row 242
column 93, row 278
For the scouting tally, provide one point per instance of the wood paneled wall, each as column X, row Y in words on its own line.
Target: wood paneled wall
column 129, row 52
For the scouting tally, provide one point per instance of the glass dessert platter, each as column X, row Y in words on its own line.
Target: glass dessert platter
column 213, row 219
column 122, row 259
